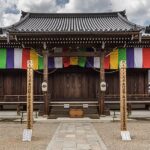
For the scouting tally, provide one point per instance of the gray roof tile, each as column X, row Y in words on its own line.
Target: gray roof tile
column 89, row 22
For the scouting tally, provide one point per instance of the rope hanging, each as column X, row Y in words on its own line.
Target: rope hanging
column 51, row 72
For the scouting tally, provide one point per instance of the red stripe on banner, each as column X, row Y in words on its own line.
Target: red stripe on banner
column 107, row 62
column 25, row 57
column 146, row 57
column 66, row 60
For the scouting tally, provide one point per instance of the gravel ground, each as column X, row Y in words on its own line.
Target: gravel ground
column 139, row 130
column 11, row 135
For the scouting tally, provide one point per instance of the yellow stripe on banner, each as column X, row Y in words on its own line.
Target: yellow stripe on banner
column 34, row 58
column 114, row 59
column 73, row 60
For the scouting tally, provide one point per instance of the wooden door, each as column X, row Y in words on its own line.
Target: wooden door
column 74, row 86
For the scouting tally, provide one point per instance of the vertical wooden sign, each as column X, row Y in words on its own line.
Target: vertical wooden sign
column 123, row 96
column 27, row 133
column 29, row 94
column 123, row 102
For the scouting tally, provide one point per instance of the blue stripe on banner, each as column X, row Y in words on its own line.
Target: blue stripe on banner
column 10, row 58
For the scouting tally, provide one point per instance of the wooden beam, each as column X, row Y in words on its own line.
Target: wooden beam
column 102, row 79
column 74, row 54
column 45, row 79
column 123, row 96
column 30, row 95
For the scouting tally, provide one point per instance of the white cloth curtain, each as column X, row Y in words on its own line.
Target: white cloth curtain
column 58, row 61
column 17, row 58
column 96, row 62
column 138, row 58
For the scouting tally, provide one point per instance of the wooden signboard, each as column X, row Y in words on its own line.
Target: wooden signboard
column 27, row 133
column 123, row 96
column 123, row 102
column 30, row 95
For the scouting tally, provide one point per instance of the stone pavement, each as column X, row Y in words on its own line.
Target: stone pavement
column 76, row 136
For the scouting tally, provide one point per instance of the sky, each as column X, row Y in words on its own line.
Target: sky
column 138, row 11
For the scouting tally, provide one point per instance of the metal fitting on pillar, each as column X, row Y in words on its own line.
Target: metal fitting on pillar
column 103, row 44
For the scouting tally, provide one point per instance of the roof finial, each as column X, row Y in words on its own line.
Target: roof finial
column 123, row 13
column 23, row 14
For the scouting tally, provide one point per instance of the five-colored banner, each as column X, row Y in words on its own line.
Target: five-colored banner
column 11, row 58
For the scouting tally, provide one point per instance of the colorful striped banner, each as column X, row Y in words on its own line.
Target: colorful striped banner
column 34, row 58
column 90, row 62
column 2, row 58
column 25, row 57
column 73, row 60
column 146, row 57
column 10, row 58
column 40, row 63
column 82, row 61
column 130, row 57
column 17, row 58
column 66, row 61
column 114, row 59
column 50, row 62
column 107, row 62
column 138, row 58
column 121, row 54
column 58, row 62
column 96, row 62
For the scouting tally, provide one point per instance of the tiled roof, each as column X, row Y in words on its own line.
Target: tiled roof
column 74, row 23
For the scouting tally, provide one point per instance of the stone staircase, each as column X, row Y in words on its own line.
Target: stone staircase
column 57, row 112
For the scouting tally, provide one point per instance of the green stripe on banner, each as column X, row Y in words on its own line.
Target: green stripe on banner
column 3, row 58
column 121, row 54
column 40, row 62
column 82, row 61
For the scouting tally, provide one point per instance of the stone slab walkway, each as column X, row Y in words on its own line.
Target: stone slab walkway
column 76, row 136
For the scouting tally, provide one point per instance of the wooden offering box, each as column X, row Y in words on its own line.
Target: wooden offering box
column 76, row 113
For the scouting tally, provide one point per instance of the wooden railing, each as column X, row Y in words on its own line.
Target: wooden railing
column 38, row 99
column 19, row 99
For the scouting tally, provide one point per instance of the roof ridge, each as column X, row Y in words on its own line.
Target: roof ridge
column 73, row 22
column 129, row 22
column 73, row 14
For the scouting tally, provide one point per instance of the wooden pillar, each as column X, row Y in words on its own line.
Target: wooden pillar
column 102, row 79
column 30, row 95
column 45, row 79
column 123, row 96
column 148, row 82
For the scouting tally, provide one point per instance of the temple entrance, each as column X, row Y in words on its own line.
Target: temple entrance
column 79, row 85
column 74, row 88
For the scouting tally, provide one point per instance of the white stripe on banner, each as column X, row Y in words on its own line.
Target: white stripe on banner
column 17, row 58
column 96, row 62
column 58, row 61
column 138, row 58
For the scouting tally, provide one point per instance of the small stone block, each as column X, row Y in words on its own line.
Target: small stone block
column 125, row 135
column 27, row 135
